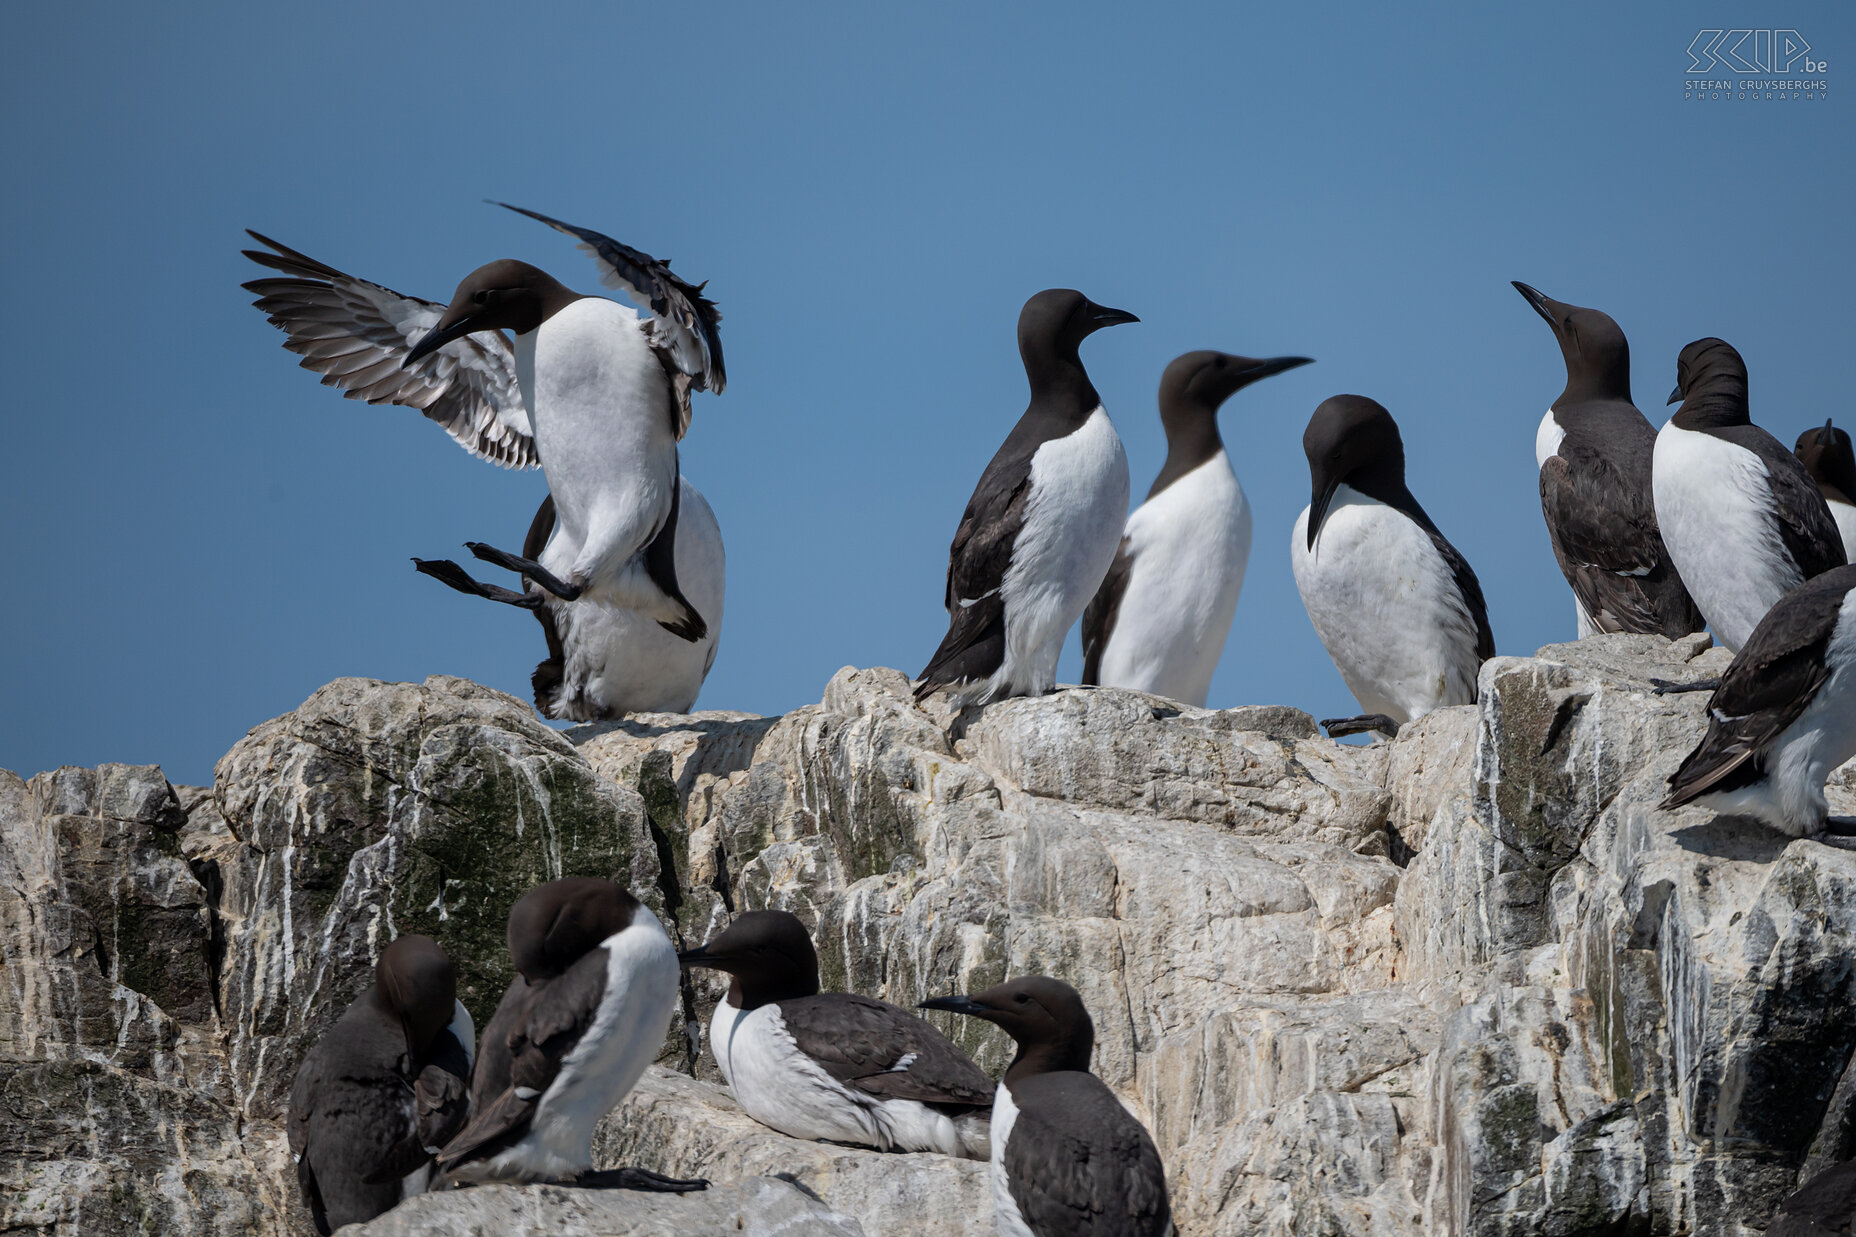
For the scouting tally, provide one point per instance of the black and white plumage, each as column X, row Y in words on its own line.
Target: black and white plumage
column 605, row 659
column 1784, row 715
column 1158, row 622
column 1825, row 453
column 1040, row 530
column 1067, row 1159
column 834, row 1065
column 1594, row 451
column 1398, row 609
column 383, row 1088
column 572, row 1035
column 1743, row 520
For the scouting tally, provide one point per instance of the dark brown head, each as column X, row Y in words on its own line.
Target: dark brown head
column 1044, row 1016
column 552, row 926
column 1593, row 346
column 1351, row 440
column 505, row 295
column 1825, row 452
column 416, row 984
column 768, row 954
column 1711, row 383
column 1051, row 327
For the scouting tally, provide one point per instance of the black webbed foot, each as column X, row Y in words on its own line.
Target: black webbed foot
column 447, row 572
column 637, row 1179
column 1667, row 687
column 525, row 566
column 1341, row 727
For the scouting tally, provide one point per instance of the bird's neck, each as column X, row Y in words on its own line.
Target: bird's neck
column 1191, row 439
column 1722, row 402
column 1060, row 387
column 1049, row 1057
column 758, row 990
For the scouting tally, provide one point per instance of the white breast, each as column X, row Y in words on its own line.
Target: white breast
column 600, row 404
column 1715, row 509
column 1547, row 440
column 1005, row 1208
column 1190, row 544
column 621, row 661
column 1386, row 606
column 784, row 1089
column 1845, row 516
column 1077, row 504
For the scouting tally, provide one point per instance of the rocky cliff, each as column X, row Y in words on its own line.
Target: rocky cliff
column 1471, row 981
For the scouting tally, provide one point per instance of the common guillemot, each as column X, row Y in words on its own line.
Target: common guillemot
column 1158, row 622
column 1784, row 715
column 383, row 1088
column 1594, row 449
column 1040, row 530
column 1743, row 520
column 1399, row 610
column 1826, row 455
column 587, row 1012
column 1067, row 1158
column 604, row 660
column 834, row 1065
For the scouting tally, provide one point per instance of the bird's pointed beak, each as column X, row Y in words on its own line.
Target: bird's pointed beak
column 956, row 1005
column 1542, row 303
column 453, row 325
column 698, row 956
column 1275, row 365
column 1101, row 316
column 1675, row 397
column 1318, row 509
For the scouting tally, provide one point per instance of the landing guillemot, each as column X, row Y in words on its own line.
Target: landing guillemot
column 604, row 660
column 1784, row 715
column 1399, row 610
column 1594, row 449
column 1159, row 621
column 383, row 1088
column 834, row 1065
column 1067, row 1158
column 1743, row 520
column 588, row 1011
column 1040, row 530
column 1826, row 455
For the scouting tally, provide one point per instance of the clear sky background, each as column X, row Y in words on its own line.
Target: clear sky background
column 199, row 535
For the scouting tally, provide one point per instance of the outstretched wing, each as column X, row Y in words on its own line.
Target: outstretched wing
column 685, row 323
column 356, row 334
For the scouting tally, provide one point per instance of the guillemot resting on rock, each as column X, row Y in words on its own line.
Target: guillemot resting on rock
column 1398, row 609
column 835, row 1065
column 597, row 986
column 1743, row 520
column 604, row 660
column 1067, row 1159
column 1040, row 530
column 1158, row 623
column 382, row 1089
column 1594, row 451
column 1826, row 455
column 1784, row 715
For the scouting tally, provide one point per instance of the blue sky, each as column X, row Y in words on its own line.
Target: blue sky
column 200, row 535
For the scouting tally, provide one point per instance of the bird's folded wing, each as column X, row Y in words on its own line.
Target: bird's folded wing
column 1100, row 615
column 884, row 1050
column 685, row 323
column 357, row 335
column 1099, row 1175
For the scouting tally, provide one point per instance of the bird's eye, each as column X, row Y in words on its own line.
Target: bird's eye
column 479, row 296
column 1021, row 998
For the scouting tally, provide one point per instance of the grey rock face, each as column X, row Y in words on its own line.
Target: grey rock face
column 1468, row 982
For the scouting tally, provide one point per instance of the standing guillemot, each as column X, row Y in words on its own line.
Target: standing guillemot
column 1593, row 449
column 1743, row 520
column 1158, row 623
column 1826, row 455
column 1067, row 1158
column 575, row 1030
column 1784, row 715
column 1041, row 528
column 382, row 1089
column 1399, row 610
column 603, row 660
column 835, row 1065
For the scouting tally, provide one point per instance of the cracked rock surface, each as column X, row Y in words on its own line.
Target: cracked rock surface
column 1470, row 981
